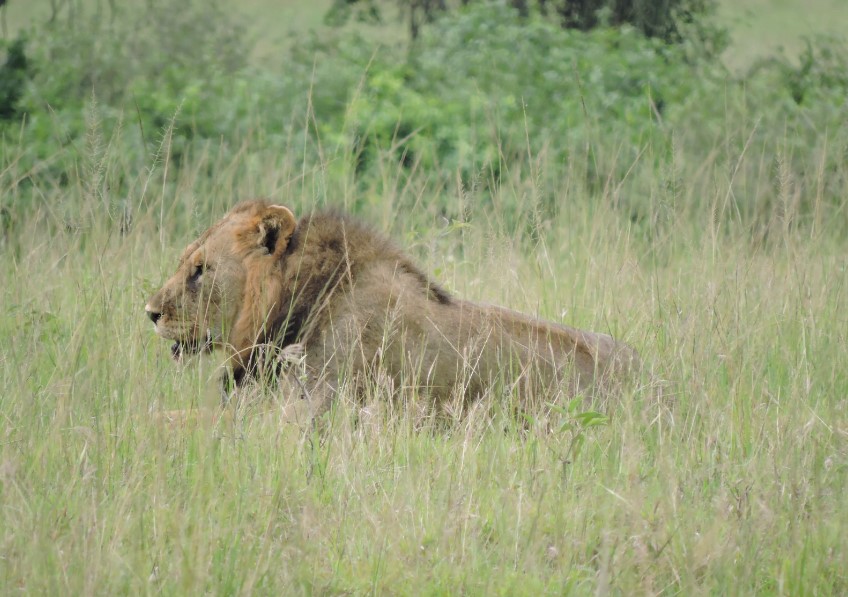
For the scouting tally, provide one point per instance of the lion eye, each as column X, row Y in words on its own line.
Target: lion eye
column 195, row 275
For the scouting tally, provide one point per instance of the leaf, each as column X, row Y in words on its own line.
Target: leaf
column 558, row 408
column 575, row 403
column 566, row 426
column 591, row 418
column 529, row 419
column 576, row 445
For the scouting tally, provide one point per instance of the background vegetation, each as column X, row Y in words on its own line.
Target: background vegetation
column 686, row 195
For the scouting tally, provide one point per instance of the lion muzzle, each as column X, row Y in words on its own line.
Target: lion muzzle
column 153, row 314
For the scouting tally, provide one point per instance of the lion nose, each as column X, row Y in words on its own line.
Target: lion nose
column 153, row 315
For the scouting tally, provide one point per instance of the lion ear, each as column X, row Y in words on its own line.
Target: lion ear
column 276, row 227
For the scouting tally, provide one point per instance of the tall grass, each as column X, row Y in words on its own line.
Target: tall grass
column 723, row 473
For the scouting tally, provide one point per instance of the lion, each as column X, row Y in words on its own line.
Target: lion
column 361, row 311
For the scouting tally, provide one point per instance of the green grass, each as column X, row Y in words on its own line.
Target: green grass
column 724, row 473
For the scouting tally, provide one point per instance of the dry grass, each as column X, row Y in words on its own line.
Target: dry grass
column 731, row 480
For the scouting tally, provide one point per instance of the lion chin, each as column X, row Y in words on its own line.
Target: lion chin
column 182, row 350
column 365, row 315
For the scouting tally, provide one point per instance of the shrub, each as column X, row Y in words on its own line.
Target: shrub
column 668, row 20
column 482, row 92
column 13, row 75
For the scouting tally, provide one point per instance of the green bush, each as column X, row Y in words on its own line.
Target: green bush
column 669, row 20
column 13, row 75
column 483, row 91
column 143, row 67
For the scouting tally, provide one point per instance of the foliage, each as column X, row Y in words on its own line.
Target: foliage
column 823, row 71
column 144, row 67
column 13, row 75
column 481, row 90
column 668, row 20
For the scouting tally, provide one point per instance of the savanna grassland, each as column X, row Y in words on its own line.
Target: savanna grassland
column 693, row 205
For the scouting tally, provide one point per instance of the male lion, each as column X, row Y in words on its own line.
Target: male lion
column 361, row 310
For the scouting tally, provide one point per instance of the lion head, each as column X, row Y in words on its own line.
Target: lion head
column 227, row 283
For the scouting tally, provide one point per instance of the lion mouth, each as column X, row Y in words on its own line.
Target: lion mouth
column 183, row 349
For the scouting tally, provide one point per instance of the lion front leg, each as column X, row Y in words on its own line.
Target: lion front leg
column 310, row 399
column 304, row 387
column 265, row 363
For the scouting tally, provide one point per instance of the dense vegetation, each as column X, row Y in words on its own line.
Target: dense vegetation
column 668, row 20
column 480, row 91
column 593, row 175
